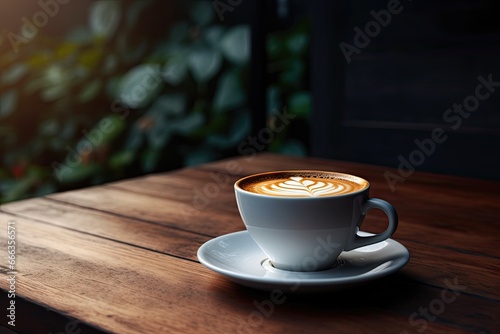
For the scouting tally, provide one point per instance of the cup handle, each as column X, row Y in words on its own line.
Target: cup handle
column 374, row 203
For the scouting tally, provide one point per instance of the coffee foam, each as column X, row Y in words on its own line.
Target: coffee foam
column 300, row 184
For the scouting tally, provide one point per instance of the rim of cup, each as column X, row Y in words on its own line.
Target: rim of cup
column 256, row 175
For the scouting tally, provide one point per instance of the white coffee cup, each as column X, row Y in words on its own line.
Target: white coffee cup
column 303, row 219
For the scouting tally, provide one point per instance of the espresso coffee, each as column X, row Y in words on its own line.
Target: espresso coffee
column 302, row 184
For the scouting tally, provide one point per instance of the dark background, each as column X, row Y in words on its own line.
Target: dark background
column 396, row 90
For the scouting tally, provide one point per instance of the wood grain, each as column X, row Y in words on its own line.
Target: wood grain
column 203, row 219
column 122, row 257
column 468, row 268
column 152, row 236
column 127, row 289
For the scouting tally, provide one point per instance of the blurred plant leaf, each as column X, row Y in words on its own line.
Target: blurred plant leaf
column 66, row 49
column 40, row 59
column 168, row 104
column 110, row 64
column 190, row 123
column 45, row 189
column 104, row 17
column 135, row 138
column 300, row 104
column 160, row 133
column 235, row 44
column 121, row 159
column 273, row 99
column 53, row 93
column 294, row 72
column 19, row 188
column 297, row 43
column 90, row 58
column 110, row 127
column 229, row 92
column 240, row 127
column 204, row 62
column 140, row 86
column 101, row 134
column 54, row 74
column 216, row 123
column 175, row 69
column 78, row 173
column 213, row 34
column 113, row 86
column 14, row 74
column 8, row 102
column 274, row 47
column 165, row 114
column 149, row 159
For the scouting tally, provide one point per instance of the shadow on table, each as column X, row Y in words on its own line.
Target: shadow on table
column 34, row 318
column 391, row 292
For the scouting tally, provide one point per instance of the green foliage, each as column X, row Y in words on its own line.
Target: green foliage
column 99, row 104
column 102, row 103
column 288, row 59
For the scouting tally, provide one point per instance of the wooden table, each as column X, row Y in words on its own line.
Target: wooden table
column 121, row 258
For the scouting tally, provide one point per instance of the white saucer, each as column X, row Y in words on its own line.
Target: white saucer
column 237, row 256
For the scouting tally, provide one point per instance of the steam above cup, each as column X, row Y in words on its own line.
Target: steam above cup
column 303, row 219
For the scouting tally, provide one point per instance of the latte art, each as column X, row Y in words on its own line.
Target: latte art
column 299, row 186
column 314, row 184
